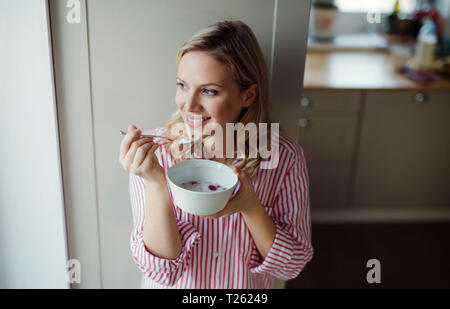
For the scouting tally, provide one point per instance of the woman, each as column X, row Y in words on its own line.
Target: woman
column 264, row 231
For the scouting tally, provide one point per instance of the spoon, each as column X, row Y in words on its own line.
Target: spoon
column 183, row 141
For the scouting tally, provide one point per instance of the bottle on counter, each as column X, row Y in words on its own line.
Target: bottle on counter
column 426, row 45
column 393, row 19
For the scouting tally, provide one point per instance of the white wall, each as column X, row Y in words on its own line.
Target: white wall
column 32, row 230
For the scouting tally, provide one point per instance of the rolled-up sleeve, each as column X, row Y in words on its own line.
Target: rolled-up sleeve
column 162, row 271
column 292, row 248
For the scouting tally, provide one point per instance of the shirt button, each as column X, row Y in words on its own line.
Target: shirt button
column 216, row 255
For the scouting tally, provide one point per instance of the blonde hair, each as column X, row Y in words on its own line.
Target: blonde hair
column 234, row 44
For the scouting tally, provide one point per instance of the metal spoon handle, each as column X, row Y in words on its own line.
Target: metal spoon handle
column 149, row 135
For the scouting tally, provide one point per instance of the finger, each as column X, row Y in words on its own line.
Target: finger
column 213, row 216
column 239, row 173
column 130, row 137
column 129, row 158
column 226, row 211
column 223, row 214
column 152, row 150
column 216, row 215
column 219, row 214
column 235, row 195
column 243, row 177
column 141, row 153
column 149, row 157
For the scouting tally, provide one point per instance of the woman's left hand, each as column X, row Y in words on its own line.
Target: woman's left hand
column 244, row 200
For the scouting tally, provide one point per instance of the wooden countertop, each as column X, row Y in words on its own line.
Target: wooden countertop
column 357, row 70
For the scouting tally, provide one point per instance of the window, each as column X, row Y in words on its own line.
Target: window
column 382, row 6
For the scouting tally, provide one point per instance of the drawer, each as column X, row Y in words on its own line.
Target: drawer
column 317, row 101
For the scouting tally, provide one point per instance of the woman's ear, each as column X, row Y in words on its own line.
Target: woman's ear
column 249, row 95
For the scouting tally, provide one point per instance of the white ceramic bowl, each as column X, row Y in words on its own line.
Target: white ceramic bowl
column 201, row 203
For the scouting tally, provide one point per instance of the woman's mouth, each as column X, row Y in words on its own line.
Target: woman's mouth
column 196, row 121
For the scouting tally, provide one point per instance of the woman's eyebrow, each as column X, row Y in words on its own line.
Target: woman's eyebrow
column 203, row 85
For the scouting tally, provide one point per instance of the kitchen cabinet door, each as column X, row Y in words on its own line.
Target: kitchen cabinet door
column 327, row 124
column 328, row 185
column 327, row 139
column 404, row 155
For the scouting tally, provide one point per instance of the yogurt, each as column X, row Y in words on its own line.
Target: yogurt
column 202, row 186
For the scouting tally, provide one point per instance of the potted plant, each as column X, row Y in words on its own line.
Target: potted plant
column 324, row 13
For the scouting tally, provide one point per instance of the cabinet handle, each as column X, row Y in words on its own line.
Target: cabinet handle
column 420, row 97
column 305, row 102
column 304, row 122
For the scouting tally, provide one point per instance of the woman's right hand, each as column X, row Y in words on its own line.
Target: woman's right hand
column 137, row 156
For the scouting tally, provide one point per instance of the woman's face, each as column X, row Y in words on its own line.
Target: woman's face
column 206, row 89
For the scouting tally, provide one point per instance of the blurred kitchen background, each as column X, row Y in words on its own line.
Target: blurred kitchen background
column 365, row 91
column 374, row 121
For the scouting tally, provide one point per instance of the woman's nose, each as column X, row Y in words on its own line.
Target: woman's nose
column 191, row 103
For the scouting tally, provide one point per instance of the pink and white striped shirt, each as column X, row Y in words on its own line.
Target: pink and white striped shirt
column 220, row 253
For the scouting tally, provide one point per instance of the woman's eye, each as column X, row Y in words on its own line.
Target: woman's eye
column 182, row 85
column 210, row 91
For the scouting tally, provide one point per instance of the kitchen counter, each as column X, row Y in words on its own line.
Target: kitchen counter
column 356, row 70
